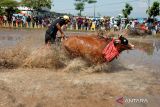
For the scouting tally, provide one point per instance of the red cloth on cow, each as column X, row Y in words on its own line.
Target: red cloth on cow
column 110, row 51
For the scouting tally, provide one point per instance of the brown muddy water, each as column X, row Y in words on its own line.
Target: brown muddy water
column 34, row 76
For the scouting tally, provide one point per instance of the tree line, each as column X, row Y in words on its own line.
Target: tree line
column 9, row 7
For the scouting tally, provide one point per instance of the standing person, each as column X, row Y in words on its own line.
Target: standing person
column 86, row 24
column 54, row 28
column 33, row 21
column 19, row 21
column 79, row 22
column 89, row 24
column 36, row 20
column 122, row 24
column 5, row 20
column 9, row 19
column 74, row 23
column 24, row 21
column 14, row 21
column 1, row 21
column 29, row 21
column 40, row 22
column 47, row 22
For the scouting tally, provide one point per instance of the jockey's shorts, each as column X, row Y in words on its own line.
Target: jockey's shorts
column 50, row 36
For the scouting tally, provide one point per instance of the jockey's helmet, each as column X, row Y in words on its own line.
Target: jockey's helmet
column 65, row 17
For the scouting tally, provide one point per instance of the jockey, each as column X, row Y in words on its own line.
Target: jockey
column 55, row 27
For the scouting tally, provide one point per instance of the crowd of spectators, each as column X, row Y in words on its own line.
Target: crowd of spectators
column 24, row 21
column 82, row 23
column 108, row 23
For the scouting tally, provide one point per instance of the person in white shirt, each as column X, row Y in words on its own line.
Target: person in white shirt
column 5, row 20
column 24, row 19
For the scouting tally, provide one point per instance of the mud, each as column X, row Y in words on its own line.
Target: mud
column 34, row 76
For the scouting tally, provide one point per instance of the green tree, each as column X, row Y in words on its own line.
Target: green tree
column 127, row 11
column 1, row 11
column 8, row 6
column 8, row 3
column 37, row 4
column 17, row 10
column 79, row 5
column 154, row 10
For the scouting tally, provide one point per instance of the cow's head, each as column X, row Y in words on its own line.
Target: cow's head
column 122, row 44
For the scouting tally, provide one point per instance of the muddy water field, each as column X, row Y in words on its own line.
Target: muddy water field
column 34, row 76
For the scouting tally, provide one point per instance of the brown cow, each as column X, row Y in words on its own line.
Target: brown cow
column 92, row 47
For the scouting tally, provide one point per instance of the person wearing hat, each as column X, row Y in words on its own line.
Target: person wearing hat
column 51, row 32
